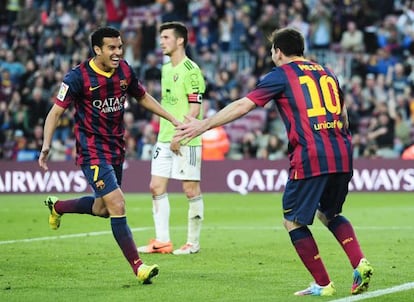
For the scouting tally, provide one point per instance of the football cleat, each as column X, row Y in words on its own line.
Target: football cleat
column 155, row 246
column 362, row 276
column 187, row 249
column 145, row 273
column 317, row 290
column 54, row 217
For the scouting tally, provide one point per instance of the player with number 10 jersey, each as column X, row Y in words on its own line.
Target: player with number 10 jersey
column 310, row 102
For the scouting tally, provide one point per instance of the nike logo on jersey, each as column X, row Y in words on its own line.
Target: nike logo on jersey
column 94, row 88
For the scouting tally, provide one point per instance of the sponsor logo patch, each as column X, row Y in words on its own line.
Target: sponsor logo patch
column 62, row 91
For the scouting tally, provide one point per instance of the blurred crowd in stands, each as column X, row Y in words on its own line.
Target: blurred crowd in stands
column 368, row 43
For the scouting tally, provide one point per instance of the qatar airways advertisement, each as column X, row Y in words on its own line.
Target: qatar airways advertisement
column 242, row 176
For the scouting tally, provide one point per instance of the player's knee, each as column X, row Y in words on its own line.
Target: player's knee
column 156, row 188
column 191, row 191
column 322, row 217
column 291, row 225
column 101, row 213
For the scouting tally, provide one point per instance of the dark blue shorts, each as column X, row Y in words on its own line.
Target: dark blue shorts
column 103, row 178
column 325, row 193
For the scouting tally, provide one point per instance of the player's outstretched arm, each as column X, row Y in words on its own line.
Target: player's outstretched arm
column 151, row 104
column 193, row 127
column 51, row 123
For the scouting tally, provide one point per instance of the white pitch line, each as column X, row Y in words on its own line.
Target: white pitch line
column 368, row 295
column 210, row 227
column 377, row 293
column 67, row 236
column 132, row 229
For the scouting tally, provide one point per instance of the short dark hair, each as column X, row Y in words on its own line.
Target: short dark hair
column 101, row 33
column 289, row 40
column 180, row 30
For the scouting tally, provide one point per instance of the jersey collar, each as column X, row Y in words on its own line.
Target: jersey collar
column 100, row 71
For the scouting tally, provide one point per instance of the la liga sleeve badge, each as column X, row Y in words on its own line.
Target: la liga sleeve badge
column 63, row 90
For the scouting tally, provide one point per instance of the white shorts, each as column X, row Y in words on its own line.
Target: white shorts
column 166, row 163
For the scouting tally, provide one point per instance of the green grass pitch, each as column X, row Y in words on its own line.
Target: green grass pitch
column 246, row 255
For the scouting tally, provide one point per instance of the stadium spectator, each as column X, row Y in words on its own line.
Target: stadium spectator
column 116, row 11
column 274, row 149
column 42, row 51
column 268, row 21
column 249, row 145
column 358, row 146
column 205, row 41
column 148, row 34
column 7, row 87
column 369, row 96
column 169, row 13
column 27, row 15
column 352, row 39
column 38, row 104
column 147, row 142
column 12, row 7
column 209, row 62
column 132, row 50
column 302, row 25
column 397, row 79
column 318, row 182
column 15, row 68
column 225, row 24
column 151, row 69
column 320, row 23
column 402, row 133
column 381, row 135
column 262, row 65
column 132, row 134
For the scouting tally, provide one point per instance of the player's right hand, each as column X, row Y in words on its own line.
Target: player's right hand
column 43, row 159
column 175, row 147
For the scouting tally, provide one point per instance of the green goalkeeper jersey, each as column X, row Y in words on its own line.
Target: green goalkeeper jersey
column 181, row 85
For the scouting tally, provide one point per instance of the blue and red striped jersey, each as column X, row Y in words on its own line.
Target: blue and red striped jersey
column 309, row 100
column 99, row 100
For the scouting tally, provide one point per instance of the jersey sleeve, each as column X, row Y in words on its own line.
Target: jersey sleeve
column 271, row 85
column 194, row 86
column 70, row 89
column 135, row 88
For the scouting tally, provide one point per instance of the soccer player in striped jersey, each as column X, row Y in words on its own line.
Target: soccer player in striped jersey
column 182, row 85
column 98, row 89
column 310, row 102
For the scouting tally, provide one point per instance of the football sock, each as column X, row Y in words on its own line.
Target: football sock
column 81, row 205
column 161, row 216
column 123, row 236
column 195, row 218
column 308, row 252
column 343, row 231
